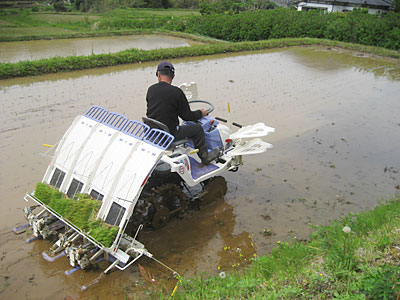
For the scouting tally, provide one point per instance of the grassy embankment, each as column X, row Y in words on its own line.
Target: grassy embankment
column 178, row 23
column 357, row 257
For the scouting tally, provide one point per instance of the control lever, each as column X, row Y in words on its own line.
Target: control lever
column 220, row 119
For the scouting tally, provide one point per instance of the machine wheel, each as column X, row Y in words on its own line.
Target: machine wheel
column 213, row 189
column 168, row 200
column 171, row 196
column 161, row 218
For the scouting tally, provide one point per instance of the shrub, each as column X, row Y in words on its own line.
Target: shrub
column 59, row 6
column 354, row 27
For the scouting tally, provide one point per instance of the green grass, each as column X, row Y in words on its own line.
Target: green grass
column 58, row 18
column 23, row 19
column 17, row 25
column 361, row 264
column 8, row 34
column 21, row 26
column 81, row 212
column 6, row 23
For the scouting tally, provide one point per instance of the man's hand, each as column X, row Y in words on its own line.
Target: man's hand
column 204, row 113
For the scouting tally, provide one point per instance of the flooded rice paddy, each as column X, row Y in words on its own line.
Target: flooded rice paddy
column 32, row 50
column 336, row 151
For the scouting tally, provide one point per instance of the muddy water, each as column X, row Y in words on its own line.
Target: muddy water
column 31, row 50
column 336, row 150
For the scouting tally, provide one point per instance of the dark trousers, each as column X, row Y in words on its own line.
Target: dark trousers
column 195, row 133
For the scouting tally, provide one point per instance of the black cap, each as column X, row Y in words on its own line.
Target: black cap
column 166, row 66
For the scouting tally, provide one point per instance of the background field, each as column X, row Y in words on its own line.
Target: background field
column 26, row 25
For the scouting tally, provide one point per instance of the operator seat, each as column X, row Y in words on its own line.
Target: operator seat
column 159, row 125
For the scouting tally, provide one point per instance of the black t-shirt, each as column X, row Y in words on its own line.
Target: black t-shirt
column 166, row 102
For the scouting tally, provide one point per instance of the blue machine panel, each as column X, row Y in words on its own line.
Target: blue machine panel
column 136, row 129
column 213, row 139
column 114, row 120
column 96, row 113
column 159, row 138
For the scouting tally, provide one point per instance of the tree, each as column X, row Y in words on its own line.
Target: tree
column 233, row 6
column 396, row 5
column 59, row 6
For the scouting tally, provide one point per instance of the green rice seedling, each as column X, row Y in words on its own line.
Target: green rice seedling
column 102, row 232
column 43, row 192
column 80, row 211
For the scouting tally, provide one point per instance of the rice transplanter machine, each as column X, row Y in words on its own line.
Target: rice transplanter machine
column 122, row 163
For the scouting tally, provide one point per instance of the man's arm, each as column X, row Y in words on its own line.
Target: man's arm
column 184, row 111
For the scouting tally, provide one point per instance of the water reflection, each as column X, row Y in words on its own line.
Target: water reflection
column 204, row 241
column 340, row 59
column 33, row 50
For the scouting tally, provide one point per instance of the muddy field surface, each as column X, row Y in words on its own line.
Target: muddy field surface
column 32, row 50
column 336, row 151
